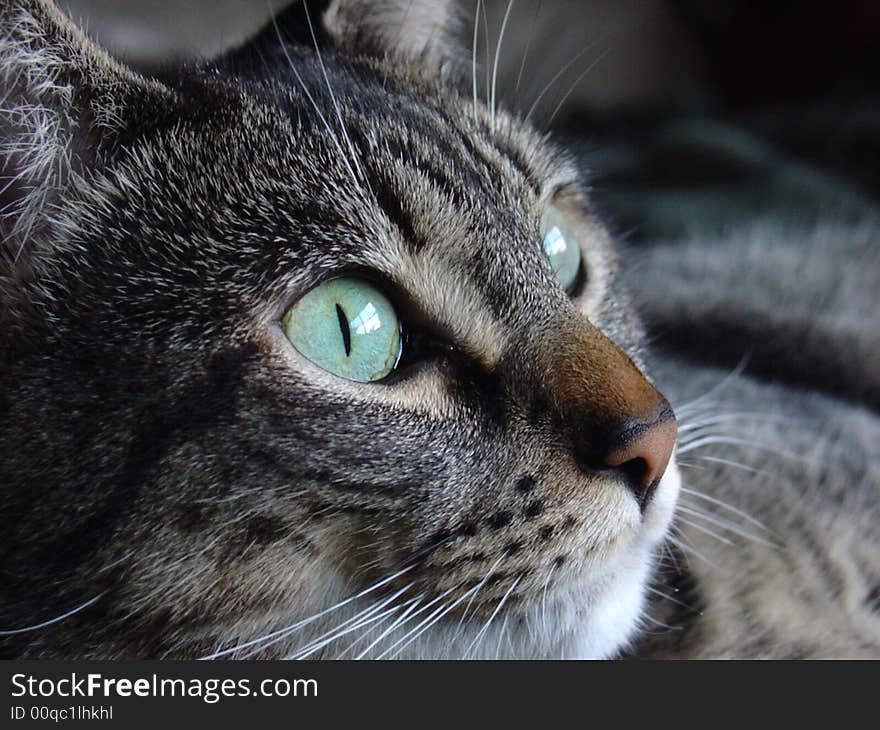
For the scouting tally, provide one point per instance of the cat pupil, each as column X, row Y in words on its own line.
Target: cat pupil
column 346, row 330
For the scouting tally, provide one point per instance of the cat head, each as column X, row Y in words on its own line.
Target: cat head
column 307, row 346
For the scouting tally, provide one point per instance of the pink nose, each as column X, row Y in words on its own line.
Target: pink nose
column 642, row 450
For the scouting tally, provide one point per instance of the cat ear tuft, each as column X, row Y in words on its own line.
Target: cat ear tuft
column 421, row 31
column 62, row 99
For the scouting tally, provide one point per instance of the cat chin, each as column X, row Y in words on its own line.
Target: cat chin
column 593, row 619
column 596, row 621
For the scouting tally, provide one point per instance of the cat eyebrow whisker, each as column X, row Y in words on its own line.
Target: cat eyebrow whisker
column 474, row 62
column 308, row 94
column 555, row 78
column 342, row 128
column 495, row 64
column 522, row 63
column 575, row 83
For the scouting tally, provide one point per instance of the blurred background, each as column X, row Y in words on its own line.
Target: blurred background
column 689, row 115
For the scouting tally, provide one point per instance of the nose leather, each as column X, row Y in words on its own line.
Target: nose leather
column 615, row 420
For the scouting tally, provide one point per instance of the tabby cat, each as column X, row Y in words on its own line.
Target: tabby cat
column 311, row 352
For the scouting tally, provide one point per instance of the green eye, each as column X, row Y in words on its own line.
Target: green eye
column 348, row 327
column 561, row 247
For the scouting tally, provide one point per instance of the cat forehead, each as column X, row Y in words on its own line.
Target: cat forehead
column 442, row 198
column 449, row 198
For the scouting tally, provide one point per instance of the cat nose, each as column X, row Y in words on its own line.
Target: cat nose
column 617, row 422
column 640, row 451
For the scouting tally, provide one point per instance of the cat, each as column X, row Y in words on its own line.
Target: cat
column 310, row 352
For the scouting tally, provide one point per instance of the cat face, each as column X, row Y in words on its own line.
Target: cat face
column 187, row 457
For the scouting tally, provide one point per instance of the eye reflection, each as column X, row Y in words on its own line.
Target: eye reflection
column 367, row 321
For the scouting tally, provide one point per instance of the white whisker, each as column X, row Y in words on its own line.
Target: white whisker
column 488, row 623
column 555, row 78
column 308, row 94
column 725, row 525
column 304, row 622
column 686, row 489
column 364, row 617
column 575, row 84
column 474, row 64
column 495, row 64
column 706, row 530
column 330, row 90
column 398, row 622
column 43, row 624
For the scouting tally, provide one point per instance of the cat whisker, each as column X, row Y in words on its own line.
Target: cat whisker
column 736, row 416
column 687, row 489
column 428, row 622
column 544, row 594
column 574, row 85
column 671, row 555
column 673, row 599
column 365, row 621
column 478, row 638
column 367, row 615
column 282, row 633
column 555, row 78
column 486, row 40
column 474, row 61
column 705, row 530
column 501, row 636
column 735, row 373
column 398, row 622
column 43, row 624
column 725, row 525
column 333, row 100
column 495, row 64
column 482, row 582
column 311, row 99
column 726, row 462
column 657, row 622
column 686, row 548
column 522, row 64
column 735, row 441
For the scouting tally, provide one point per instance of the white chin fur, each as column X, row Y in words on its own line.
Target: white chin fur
column 594, row 621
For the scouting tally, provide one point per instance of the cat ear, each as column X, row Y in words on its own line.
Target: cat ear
column 423, row 31
column 64, row 102
column 419, row 32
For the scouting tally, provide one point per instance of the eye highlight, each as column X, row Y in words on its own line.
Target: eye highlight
column 561, row 246
column 348, row 327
